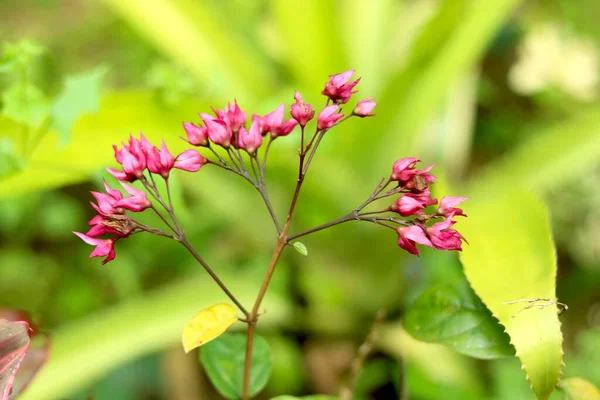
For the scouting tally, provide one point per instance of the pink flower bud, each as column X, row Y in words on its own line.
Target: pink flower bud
column 364, row 108
column 448, row 206
column 408, row 236
column 301, row 111
column 190, row 160
column 161, row 161
column 337, row 88
column 328, row 117
column 444, row 238
column 284, row 129
column 218, row 132
column 104, row 247
column 197, row 135
column 133, row 164
column 107, row 204
column 271, row 120
column 136, row 202
column 412, row 204
column 250, row 140
column 405, row 174
column 235, row 117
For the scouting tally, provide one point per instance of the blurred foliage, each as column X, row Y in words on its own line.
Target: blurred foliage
column 440, row 72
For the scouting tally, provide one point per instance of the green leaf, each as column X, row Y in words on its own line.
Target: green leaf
column 579, row 389
column 25, row 103
column 145, row 324
column 223, row 359
column 80, row 95
column 451, row 314
column 511, row 257
column 10, row 162
column 300, row 248
column 312, row 397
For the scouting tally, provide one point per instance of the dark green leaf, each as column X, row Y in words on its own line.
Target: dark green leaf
column 25, row 103
column 80, row 95
column 454, row 316
column 223, row 360
column 300, row 248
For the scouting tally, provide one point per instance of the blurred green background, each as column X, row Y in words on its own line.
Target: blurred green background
column 498, row 93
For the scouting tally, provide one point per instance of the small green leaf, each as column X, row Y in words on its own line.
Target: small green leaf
column 451, row 314
column 17, row 57
column 579, row 389
column 25, row 103
column 300, row 248
column 80, row 95
column 223, row 360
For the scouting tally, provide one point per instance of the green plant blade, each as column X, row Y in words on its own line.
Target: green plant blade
column 511, row 257
column 451, row 314
column 579, row 389
column 223, row 360
column 192, row 35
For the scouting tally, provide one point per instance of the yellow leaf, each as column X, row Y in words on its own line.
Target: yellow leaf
column 207, row 325
column 579, row 389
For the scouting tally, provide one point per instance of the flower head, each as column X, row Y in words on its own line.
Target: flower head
column 190, row 160
column 405, row 174
column 364, row 108
column 218, row 131
column 251, row 139
column 271, row 120
column 408, row 236
column 412, row 203
column 301, row 111
column 197, row 135
column 136, row 202
column 284, row 129
column 444, row 238
column 103, row 247
column 328, row 117
column 161, row 161
column 233, row 116
column 448, row 206
column 338, row 89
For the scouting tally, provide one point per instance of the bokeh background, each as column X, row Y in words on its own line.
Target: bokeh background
column 497, row 93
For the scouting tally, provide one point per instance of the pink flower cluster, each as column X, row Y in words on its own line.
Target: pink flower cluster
column 112, row 220
column 416, row 197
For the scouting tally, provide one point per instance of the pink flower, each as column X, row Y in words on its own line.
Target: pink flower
column 405, row 174
column 107, row 202
column 250, row 140
column 284, row 129
column 408, row 236
column 234, row 116
column 444, row 238
column 448, row 206
column 133, row 159
column 190, row 160
column 104, row 247
column 301, row 111
column 218, row 131
column 161, row 161
column 364, row 108
column 337, row 88
column 136, row 202
column 271, row 120
column 197, row 135
column 412, row 204
column 328, row 117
